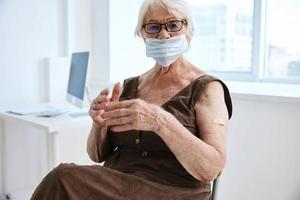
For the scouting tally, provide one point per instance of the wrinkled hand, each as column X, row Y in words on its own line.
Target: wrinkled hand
column 99, row 104
column 134, row 114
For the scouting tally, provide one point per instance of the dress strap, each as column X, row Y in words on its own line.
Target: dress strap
column 129, row 88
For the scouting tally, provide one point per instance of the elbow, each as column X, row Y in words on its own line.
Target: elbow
column 93, row 155
column 93, row 158
column 207, row 178
column 211, row 172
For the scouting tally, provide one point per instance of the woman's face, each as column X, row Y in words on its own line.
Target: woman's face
column 157, row 16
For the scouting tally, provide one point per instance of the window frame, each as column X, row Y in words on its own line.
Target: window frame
column 259, row 59
column 257, row 49
column 259, row 52
column 264, row 61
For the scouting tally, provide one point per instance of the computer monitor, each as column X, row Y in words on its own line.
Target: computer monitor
column 77, row 78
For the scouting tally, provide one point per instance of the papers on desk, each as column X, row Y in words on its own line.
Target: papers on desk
column 52, row 113
column 31, row 110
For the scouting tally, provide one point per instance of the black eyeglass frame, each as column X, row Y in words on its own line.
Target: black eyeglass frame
column 165, row 26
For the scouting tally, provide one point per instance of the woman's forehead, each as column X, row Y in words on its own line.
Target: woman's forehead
column 158, row 14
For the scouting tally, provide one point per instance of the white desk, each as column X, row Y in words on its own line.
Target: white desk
column 31, row 146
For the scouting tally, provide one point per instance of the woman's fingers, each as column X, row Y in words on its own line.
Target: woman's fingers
column 123, row 104
column 104, row 92
column 99, row 106
column 117, row 113
column 101, row 100
column 116, row 93
column 125, row 127
column 117, row 121
column 96, row 115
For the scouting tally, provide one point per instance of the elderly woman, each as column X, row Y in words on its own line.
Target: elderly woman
column 163, row 135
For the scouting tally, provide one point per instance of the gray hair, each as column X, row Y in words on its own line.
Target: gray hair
column 179, row 8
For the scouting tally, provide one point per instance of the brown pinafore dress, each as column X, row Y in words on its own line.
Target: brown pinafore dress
column 140, row 165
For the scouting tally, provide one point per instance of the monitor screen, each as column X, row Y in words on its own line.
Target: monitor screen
column 77, row 78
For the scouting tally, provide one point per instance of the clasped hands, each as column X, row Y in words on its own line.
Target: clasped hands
column 134, row 114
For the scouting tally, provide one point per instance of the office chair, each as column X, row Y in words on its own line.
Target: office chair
column 215, row 188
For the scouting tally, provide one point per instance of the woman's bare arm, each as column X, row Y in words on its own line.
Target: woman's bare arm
column 203, row 158
column 98, row 146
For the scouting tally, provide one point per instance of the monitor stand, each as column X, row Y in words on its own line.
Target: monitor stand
column 83, row 111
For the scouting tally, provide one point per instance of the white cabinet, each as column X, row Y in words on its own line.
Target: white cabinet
column 31, row 146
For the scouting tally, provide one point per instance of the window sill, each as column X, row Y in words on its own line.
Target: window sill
column 280, row 92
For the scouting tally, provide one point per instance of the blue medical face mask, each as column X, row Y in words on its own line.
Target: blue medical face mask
column 166, row 51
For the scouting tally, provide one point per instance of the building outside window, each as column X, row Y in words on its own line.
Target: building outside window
column 226, row 36
column 222, row 42
column 282, row 39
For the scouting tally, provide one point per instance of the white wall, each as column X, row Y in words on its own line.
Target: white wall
column 263, row 150
column 127, row 52
column 28, row 34
column 1, row 156
column 100, row 44
column 31, row 31
column 79, row 25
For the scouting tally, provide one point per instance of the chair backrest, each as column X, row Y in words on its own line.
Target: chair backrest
column 215, row 188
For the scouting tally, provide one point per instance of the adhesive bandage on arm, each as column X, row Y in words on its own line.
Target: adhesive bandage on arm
column 220, row 122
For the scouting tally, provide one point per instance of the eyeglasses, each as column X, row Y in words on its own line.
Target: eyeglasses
column 171, row 26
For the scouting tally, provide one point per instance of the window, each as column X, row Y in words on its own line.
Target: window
column 255, row 40
column 226, row 23
column 282, row 39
